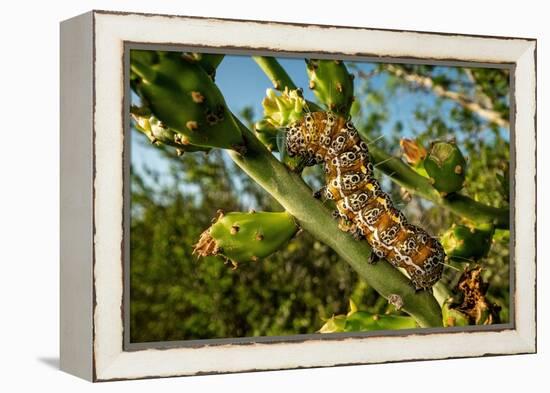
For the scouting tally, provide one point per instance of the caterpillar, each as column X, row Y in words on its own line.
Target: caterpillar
column 329, row 139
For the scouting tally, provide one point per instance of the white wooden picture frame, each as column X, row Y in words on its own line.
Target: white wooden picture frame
column 92, row 194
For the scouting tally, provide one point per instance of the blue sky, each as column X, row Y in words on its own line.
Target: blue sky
column 243, row 84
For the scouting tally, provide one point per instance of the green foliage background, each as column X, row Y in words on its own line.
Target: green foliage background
column 175, row 296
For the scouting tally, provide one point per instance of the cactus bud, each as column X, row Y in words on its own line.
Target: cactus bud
column 243, row 237
column 282, row 110
column 332, row 84
column 446, row 165
column 184, row 98
column 467, row 243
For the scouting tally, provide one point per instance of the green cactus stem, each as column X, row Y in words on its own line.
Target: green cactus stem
column 467, row 243
column 267, row 134
column 208, row 62
column 446, row 167
column 275, row 72
column 245, row 237
column 155, row 131
column 363, row 321
column 184, row 98
column 332, row 84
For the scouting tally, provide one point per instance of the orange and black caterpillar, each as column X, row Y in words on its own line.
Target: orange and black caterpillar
column 325, row 138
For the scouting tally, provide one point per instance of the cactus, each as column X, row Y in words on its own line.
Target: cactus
column 208, row 62
column 332, row 84
column 363, row 321
column 446, row 167
column 464, row 242
column 149, row 125
column 280, row 111
column 184, row 98
column 244, row 237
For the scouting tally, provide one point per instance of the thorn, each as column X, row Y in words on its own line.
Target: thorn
column 259, row 237
column 197, row 97
column 254, row 258
column 339, row 88
column 312, row 84
column 458, row 169
column 192, row 125
column 234, row 229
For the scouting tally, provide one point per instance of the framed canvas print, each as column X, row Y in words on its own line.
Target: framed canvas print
column 245, row 195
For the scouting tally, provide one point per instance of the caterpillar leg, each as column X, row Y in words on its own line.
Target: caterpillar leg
column 320, row 193
column 346, row 225
column 357, row 234
column 373, row 258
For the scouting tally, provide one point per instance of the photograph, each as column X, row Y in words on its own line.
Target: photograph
column 290, row 196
